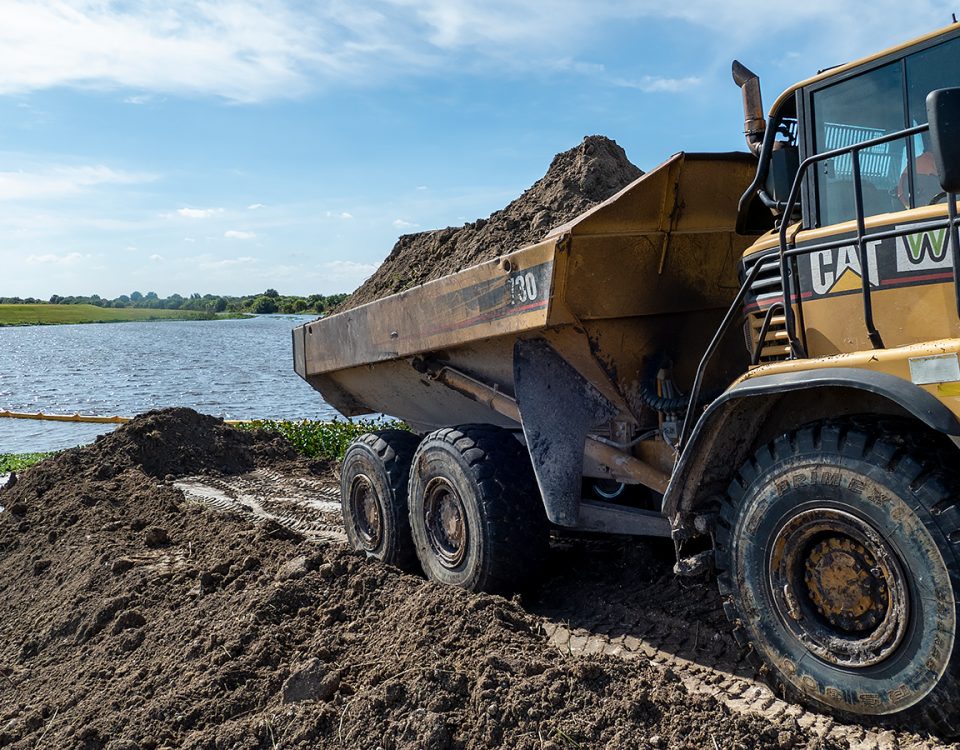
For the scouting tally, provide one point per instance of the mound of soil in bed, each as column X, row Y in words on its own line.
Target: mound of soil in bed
column 131, row 619
column 577, row 180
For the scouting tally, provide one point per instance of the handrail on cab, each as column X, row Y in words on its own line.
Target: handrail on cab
column 788, row 250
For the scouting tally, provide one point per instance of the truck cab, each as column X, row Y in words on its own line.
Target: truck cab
column 837, row 307
column 826, row 474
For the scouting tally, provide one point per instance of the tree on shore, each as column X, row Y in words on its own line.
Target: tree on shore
column 264, row 303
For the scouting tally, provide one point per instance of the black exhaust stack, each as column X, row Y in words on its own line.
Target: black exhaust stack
column 754, row 123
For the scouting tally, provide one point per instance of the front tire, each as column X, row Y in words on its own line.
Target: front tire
column 835, row 563
column 373, row 496
column 475, row 511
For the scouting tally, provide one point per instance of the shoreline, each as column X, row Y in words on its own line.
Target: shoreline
column 24, row 316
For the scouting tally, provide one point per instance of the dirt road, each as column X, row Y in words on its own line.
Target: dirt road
column 180, row 584
column 612, row 597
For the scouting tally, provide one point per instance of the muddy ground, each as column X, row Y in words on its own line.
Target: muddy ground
column 179, row 584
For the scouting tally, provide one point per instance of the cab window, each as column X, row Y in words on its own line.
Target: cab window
column 858, row 109
column 897, row 175
column 934, row 68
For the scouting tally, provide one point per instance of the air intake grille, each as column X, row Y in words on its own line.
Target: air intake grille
column 766, row 290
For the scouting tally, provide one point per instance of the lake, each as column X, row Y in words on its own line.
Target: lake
column 236, row 369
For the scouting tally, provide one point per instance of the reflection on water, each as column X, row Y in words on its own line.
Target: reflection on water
column 236, row 369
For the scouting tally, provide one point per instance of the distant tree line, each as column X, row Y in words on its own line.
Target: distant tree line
column 270, row 301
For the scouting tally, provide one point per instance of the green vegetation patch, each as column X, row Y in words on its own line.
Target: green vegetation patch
column 45, row 314
column 20, row 461
column 266, row 303
column 323, row 439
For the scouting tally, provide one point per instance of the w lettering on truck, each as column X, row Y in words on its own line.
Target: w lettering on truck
column 924, row 251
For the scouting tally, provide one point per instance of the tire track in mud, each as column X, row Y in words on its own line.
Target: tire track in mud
column 621, row 598
column 305, row 505
column 729, row 681
column 611, row 597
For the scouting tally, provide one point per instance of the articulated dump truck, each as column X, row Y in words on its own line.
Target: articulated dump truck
column 753, row 354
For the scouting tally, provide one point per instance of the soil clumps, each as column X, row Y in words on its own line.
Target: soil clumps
column 134, row 620
column 577, row 180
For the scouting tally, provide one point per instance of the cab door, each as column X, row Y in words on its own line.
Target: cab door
column 910, row 276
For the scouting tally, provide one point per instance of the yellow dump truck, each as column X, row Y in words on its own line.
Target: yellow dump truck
column 598, row 381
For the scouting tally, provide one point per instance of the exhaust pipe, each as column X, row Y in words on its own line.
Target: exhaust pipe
column 754, row 123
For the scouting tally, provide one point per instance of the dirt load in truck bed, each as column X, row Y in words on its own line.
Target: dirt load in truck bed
column 132, row 618
column 577, row 180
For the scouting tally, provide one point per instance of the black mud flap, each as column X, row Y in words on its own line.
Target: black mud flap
column 558, row 407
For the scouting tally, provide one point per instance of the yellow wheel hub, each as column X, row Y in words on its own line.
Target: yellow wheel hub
column 845, row 584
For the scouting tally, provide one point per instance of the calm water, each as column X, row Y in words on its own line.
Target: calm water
column 236, row 369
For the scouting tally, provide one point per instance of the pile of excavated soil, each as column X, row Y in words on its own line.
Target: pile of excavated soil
column 132, row 619
column 577, row 180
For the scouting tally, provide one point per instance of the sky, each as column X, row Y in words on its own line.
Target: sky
column 228, row 147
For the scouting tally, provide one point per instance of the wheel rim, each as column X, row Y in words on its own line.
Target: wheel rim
column 445, row 519
column 608, row 489
column 366, row 513
column 839, row 587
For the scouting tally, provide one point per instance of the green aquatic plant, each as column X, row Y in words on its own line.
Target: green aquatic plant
column 316, row 439
column 20, row 461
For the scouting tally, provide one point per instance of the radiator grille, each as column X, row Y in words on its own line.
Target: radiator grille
column 766, row 290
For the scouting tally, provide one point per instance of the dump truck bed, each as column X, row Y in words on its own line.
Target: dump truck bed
column 650, row 269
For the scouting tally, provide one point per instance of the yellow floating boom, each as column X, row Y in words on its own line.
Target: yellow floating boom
column 87, row 418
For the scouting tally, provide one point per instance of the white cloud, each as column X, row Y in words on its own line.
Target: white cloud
column 54, row 181
column 577, row 66
column 139, row 99
column 207, row 263
column 156, row 258
column 189, row 239
column 236, row 234
column 348, row 271
column 255, row 206
column 403, row 224
column 52, row 259
column 345, row 216
column 198, row 213
column 335, row 215
column 239, row 50
column 421, row 187
column 493, row 25
column 654, row 84
column 251, row 50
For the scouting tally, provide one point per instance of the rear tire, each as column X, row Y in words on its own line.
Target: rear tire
column 475, row 511
column 373, row 496
column 836, row 561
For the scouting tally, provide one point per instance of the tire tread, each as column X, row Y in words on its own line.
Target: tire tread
column 394, row 449
column 928, row 467
column 516, row 528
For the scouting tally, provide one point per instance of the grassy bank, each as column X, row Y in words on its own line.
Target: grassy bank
column 31, row 315
column 19, row 461
column 312, row 439
column 323, row 439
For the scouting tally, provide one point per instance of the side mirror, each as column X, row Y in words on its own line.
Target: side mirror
column 784, row 165
column 943, row 114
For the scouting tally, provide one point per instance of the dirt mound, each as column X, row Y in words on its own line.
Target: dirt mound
column 180, row 441
column 164, row 443
column 132, row 619
column 577, row 179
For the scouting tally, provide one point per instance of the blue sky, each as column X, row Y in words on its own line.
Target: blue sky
column 227, row 147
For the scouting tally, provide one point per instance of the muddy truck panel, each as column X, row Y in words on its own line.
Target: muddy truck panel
column 650, row 270
column 575, row 340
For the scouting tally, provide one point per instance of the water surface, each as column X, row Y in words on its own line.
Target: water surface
column 236, row 369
